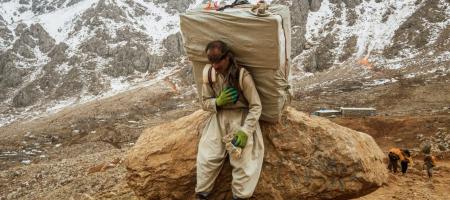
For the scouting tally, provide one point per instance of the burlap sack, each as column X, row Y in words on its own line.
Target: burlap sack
column 261, row 44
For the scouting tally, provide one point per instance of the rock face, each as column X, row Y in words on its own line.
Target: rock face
column 305, row 158
column 110, row 43
column 405, row 36
column 314, row 5
column 106, row 44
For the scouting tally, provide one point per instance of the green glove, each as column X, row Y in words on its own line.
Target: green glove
column 234, row 94
column 227, row 96
column 240, row 139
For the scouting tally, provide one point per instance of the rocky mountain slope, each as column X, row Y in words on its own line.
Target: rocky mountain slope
column 373, row 43
column 57, row 53
column 64, row 52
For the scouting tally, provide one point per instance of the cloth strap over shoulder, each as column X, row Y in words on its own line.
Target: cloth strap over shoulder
column 241, row 78
column 208, row 77
column 208, row 72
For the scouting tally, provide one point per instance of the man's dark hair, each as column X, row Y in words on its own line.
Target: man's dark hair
column 221, row 47
column 225, row 52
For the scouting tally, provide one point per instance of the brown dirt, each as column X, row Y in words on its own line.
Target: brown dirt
column 406, row 109
column 386, row 130
column 77, row 153
column 415, row 185
column 404, row 129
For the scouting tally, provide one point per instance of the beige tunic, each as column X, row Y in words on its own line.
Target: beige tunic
column 243, row 115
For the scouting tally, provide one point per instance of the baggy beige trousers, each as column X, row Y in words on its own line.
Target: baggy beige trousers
column 212, row 153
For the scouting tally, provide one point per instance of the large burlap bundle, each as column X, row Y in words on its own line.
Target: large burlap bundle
column 261, row 45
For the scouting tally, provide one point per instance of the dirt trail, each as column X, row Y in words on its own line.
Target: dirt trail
column 404, row 131
column 408, row 132
column 415, row 185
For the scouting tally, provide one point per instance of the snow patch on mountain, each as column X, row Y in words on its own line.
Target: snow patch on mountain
column 381, row 82
column 373, row 32
column 117, row 85
column 438, row 27
column 57, row 23
column 317, row 20
column 156, row 22
column 74, row 24
column 159, row 22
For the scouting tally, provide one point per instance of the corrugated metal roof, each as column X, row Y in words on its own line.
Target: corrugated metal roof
column 342, row 108
column 327, row 111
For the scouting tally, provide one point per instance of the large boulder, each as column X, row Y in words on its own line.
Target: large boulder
column 305, row 158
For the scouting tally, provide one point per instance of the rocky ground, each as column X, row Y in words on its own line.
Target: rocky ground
column 415, row 184
column 77, row 153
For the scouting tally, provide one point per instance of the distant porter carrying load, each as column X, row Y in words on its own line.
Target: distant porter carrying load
column 261, row 43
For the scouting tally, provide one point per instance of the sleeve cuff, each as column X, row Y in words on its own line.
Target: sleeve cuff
column 246, row 130
column 212, row 105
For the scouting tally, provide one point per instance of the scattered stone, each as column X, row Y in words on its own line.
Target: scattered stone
column 104, row 166
column 12, row 195
column 26, row 162
column 442, row 147
column 38, row 176
column 29, row 135
column 54, row 138
column 398, row 140
column 24, row 184
column 16, row 174
column 307, row 46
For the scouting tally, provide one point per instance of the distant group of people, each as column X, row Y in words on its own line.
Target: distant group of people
column 396, row 155
column 403, row 156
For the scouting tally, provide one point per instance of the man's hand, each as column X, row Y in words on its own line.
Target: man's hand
column 234, row 94
column 240, row 139
column 227, row 96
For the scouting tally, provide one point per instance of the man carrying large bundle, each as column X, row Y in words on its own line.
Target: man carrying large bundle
column 231, row 95
column 242, row 78
column 260, row 44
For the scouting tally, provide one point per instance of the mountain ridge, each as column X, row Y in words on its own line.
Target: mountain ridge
column 99, row 48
